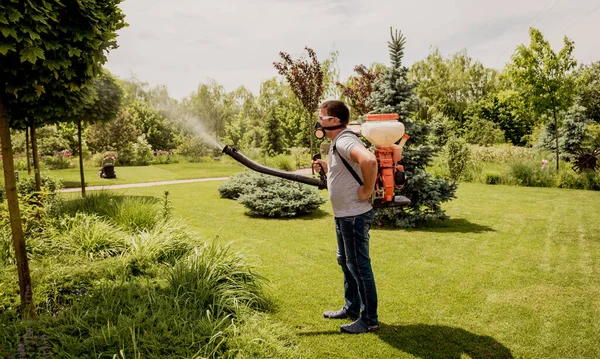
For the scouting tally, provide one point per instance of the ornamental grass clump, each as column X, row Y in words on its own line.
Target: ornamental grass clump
column 90, row 236
column 215, row 278
column 130, row 213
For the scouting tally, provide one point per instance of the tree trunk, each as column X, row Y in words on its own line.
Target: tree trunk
column 27, row 308
column 27, row 150
column 80, row 158
column 310, row 139
column 36, row 160
column 556, row 136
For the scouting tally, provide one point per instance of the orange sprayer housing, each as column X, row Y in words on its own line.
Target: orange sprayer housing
column 386, row 172
column 383, row 130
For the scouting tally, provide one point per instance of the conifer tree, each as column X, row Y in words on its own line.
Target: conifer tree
column 273, row 136
column 394, row 94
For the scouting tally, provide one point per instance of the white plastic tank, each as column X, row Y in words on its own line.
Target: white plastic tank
column 382, row 129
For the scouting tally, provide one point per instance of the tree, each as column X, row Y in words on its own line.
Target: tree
column 102, row 105
column 507, row 110
column 359, row 88
column 114, row 135
column 306, row 80
column 245, row 130
column 159, row 132
column 273, row 141
column 572, row 136
column 277, row 99
column 544, row 78
column 213, row 106
column 394, row 94
column 588, row 93
column 449, row 85
column 50, row 51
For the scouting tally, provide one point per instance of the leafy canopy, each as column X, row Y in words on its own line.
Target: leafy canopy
column 50, row 51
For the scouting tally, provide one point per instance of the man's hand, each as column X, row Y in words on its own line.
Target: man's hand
column 364, row 193
column 318, row 165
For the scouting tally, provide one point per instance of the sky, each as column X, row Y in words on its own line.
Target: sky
column 184, row 43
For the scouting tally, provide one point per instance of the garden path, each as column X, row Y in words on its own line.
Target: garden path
column 304, row 171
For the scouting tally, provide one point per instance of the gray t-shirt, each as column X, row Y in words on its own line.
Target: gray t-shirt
column 342, row 186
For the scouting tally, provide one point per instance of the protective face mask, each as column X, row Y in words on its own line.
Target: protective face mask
column 319, row 130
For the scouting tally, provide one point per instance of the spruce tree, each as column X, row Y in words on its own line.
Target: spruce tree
column 273, row 135
column 394, row 94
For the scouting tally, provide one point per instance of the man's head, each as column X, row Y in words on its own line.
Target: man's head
column 336, row 109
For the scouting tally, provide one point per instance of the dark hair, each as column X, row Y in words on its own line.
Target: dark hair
column 338, row 109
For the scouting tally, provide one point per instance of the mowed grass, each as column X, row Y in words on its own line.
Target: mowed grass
column 154, row 173
column 514, row 273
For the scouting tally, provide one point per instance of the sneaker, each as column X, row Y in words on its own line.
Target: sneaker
column 338, row 314
column 358, row 327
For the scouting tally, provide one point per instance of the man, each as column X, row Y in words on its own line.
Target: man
column 353, row 215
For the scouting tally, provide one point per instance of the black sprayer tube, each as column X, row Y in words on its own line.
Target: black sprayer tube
column 271, row 171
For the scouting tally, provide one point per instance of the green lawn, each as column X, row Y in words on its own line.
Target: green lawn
column 154, row 173
column 514, row 273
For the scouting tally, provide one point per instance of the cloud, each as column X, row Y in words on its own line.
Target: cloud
column 182, row 43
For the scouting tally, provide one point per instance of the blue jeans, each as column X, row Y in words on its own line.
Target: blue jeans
column 353, row 255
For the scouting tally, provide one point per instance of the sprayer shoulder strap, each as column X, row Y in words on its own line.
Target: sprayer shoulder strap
column 352, row 172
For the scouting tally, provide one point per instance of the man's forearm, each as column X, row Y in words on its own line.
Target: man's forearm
column 368, row 169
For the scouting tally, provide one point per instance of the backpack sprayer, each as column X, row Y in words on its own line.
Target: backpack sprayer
column 382, row 130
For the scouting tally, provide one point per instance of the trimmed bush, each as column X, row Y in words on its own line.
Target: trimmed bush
column 271, row 196
column 492, row 177
column 282, row 199
column 245, row 182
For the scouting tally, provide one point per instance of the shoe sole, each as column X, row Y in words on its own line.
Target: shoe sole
column 369, row 330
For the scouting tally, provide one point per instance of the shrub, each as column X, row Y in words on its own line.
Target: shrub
column 282, row 162
column 507, row 154
column 457, row 156
column 526, row 174
column 26, row 186
column 270, row 196
column 6, row 246
column 164, row 157
column 57, row 162
column 244, row 182
column 20, row 163
column 573, row 180
column 282, row 199
column 483, row 132
column 491, row 177
column 302, row 157
column 142, row 152
column 193, row 148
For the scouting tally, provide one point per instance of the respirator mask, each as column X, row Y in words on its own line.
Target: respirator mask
column 319, row 130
